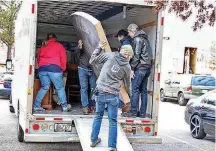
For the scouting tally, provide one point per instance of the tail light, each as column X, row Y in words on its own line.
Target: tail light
column 35, row 127
column 1, row 82
column 189, row 88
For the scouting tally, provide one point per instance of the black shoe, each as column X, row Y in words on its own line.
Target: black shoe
column 129, row 114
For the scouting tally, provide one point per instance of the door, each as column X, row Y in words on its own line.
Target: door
column 167, row 88
column 208, row 113
column 175, row 88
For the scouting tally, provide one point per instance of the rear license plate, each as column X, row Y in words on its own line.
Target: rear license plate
column 59, row 127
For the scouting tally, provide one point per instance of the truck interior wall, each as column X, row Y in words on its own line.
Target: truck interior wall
column 142, row 16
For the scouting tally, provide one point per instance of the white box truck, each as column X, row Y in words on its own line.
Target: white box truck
column 37, row 18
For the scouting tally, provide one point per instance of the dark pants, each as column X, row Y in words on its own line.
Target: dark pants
column 139, row 86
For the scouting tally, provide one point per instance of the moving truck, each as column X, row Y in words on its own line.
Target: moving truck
column 37, row 18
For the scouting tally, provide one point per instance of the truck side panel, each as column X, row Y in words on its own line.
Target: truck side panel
column 22, row 52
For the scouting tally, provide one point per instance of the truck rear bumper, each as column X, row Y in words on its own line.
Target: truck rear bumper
column 51, row 138
column 145, row 140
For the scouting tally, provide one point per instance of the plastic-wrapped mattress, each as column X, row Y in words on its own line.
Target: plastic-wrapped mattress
column 89, row 30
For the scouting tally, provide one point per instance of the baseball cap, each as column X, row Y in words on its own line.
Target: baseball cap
column 132, row 27
column 128, row 49
column 122, row 32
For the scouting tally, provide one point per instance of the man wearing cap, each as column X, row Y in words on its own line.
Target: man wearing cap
column 141, row 65
column 123, row 37
column 115, row 68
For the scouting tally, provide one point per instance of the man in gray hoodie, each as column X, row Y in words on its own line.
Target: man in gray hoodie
column 115, row 68
column 141, row 65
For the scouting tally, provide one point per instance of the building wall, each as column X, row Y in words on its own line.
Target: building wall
column 181, row 35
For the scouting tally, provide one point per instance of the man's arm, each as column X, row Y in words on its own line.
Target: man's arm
column 137, row 46
column 127, row 81
column 97, row 58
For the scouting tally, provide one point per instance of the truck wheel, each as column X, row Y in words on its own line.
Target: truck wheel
column 11, row 109
column 196, row 127
column 181, row 99
column 20, row 132
column 162, row 96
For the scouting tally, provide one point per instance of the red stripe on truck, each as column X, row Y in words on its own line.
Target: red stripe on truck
column 129, row 121
column 58, row 119
column 162, row 21
column 158, row 77
column 33, row 8
column 30, row 69
column 40, row 118
column 145, row 121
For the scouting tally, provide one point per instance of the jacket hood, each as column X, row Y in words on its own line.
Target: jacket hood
column 121, row 60
column 141, row 33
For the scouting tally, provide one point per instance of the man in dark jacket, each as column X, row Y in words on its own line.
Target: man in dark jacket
column 87, row 79
column 115, row 68
column 123, row 37
column 141, row 65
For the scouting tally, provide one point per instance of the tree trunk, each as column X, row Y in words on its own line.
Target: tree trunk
column 9, row 52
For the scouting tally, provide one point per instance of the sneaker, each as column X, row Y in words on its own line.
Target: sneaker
column 66, row 109
column 129, row 114
column 37, row 109
column 94, row 144
column 113, row 149
column 85, row 111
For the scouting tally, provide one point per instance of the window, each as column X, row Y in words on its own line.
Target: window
column 211, row 99
column 203, row 81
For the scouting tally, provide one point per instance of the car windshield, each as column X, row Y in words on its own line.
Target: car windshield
column 203, row 81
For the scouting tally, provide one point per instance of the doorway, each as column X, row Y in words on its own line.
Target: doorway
column 190, row 55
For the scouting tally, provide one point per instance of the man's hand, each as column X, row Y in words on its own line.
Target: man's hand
column 103, row 44
column 132, row 74
column 80, row 44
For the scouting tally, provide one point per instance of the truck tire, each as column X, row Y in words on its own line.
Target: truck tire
column 181, row 99
column 20, row 132
column 162, row 96
column 196, row 127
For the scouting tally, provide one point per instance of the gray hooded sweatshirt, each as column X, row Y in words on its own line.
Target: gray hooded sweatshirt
column 114, row 68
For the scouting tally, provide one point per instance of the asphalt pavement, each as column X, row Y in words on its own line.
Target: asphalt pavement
column 172, row 128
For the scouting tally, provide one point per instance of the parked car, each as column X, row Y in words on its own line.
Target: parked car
column 5, row 84
column 186, row 86
column 200, row 115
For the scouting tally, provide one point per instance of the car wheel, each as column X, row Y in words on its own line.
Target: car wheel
column 11, row 109
column 20, row 132
column 196, row 127
column 162, row 96
column 181, row 99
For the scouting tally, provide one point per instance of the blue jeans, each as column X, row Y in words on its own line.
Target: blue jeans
column 139, row 85
column 112, row 102
column 46, row 78
column 87, row 81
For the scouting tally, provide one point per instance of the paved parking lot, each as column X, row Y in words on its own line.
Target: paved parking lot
column 173, row 130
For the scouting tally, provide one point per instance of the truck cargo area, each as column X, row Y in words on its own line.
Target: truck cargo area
column 55, row 17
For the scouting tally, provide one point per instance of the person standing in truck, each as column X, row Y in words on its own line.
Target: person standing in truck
column 141, row 65
column 116, row 68
column 52, row 63
column 87, row 80
column 124, row 39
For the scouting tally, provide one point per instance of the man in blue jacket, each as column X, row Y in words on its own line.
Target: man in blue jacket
column 123, row 37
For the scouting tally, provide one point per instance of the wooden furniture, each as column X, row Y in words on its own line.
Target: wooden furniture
column 47, row 100
column 73, row 85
